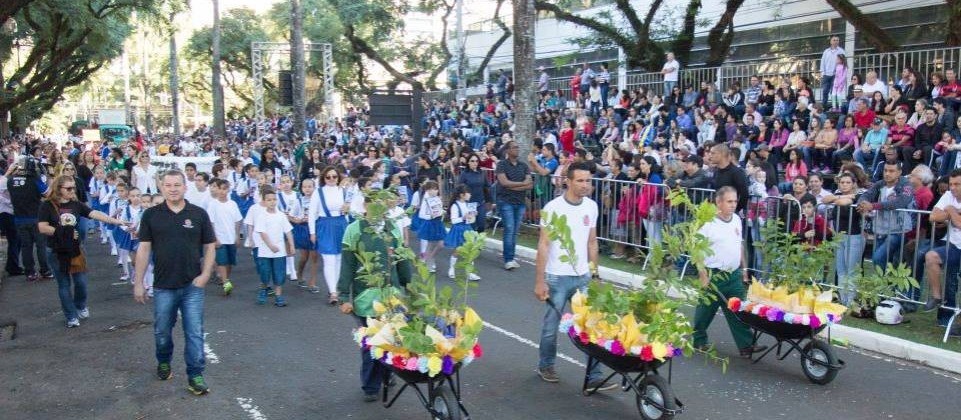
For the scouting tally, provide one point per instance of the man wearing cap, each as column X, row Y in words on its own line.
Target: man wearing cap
column 857, row 92
column 542, row 81
column 867, row 155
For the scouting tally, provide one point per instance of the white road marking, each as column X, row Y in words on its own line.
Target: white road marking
column 253, row 412
column 531, row 343
column 209, row 352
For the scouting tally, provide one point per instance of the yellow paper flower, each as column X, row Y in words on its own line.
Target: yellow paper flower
column 471, row 318
column 628, row 333
column 379, row 308
column 434, row 365
column 659, row 350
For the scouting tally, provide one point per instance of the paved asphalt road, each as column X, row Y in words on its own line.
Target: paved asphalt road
column 299, row 362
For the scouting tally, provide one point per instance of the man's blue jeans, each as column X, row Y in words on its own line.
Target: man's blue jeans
column 562, row 289
column 512, row 215
column 70, row 304
column 849, row 256
column 190, row 301
column 827, row 84
column 887, row 249
column 371, row 371
column 668, row 87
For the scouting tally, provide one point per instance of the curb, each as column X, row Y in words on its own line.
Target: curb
column 868, row 340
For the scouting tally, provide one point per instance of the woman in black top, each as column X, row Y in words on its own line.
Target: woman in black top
column 846, row 219
column 59, row 217
column 312, row 158
column 269, row 162
column 476, row 181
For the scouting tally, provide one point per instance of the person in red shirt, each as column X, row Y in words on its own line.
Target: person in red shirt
column 576, row 86
column 864, row 115
column 811, row 228
column 951, row 88
column 566, row 137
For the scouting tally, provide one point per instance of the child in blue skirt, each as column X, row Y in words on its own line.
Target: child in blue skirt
column 462, row 215
column 431, row 231
column 120, row 209
column 306, row 250
column 415, row 204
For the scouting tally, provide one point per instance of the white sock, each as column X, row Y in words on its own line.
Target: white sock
column 148, row 277
column 292, row 268
column 331, row 271
column 453, row 262
column 125, row 261
column 423, row 246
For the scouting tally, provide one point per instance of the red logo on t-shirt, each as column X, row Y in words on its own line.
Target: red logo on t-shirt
column 587, row 220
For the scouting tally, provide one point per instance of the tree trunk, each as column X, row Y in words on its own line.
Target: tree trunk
column 174, row 83
column 525, row 99
column 298, row 71
column 954, row 23
column 720, row 36
column 219, row 127
column 872, row 33
column 685, row 40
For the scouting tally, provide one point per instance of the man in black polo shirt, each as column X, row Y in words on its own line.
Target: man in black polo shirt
column 513, row 183
column 183, row 261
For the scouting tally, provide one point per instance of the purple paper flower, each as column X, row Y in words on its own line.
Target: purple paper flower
column 448, row 365
column 678, row 352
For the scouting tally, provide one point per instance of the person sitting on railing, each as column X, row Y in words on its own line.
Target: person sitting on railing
column 879, row 203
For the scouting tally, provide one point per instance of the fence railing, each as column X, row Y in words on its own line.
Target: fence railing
column 633, row 216
column 888, row 66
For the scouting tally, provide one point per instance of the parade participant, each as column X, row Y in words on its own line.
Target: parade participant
column 431, row 231
column 184, row 256
column 199, row 195
column 287, row 204
column 58, row 218
column 26, row 188
column 326, row 222
column 556, row 281
column 306, row 250
column 225, row 218
column 274, row 242
column 415, row 205
column 127, row 241
column 118, row 235
column 93, row 192
column 462, row 215
column 146, row 202
column 350, row 285
column 107, row 192
column 144, row 175
column 725, row 270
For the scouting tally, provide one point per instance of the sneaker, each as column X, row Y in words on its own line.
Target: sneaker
column 313, row 290
column 370, row 397
column 280, row 302
column 450, row 274
column 197, row 386
column 113, row 252
column 748, row 351
column 600, row 385
column 262, row 296
column 84, row 313
column 33, row 277
column 473, row 277
column 270, row 291
column 73, row 323
column 433, row 268
column 103, row 241
column 228, row 287
column 333, row 299
column 548, row 374
column 302, row 284
column 510, row 265
column 932, row 304
column 124, row 277
column 46, row 276
column 163, row 371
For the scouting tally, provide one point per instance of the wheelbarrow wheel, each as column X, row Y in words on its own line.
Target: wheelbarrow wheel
column 818, row 351
column 445, row 405
column 654, row 391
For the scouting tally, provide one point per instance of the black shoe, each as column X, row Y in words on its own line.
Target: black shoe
column 932, row 304
column 163, row 371
column 46, row 276
column 17, row 272
column 748, row 351
column 370, row 397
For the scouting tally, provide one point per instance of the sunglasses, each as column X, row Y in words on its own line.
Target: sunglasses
column 330, row 177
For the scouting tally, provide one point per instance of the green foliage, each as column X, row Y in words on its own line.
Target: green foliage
column 559, row 231
column 872, row 286
column 794, row 264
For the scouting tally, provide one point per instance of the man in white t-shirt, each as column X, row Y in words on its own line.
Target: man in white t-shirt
column 556, row 281
column 725, row 270
column 200, row 194
column 225, row 217
column 671, row 70
column 947, row 210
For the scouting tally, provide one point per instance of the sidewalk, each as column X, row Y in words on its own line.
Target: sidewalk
column 867, row 340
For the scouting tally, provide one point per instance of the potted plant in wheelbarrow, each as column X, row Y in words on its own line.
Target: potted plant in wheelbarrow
column 636, row 331
column 790, row 305
column 425, row 334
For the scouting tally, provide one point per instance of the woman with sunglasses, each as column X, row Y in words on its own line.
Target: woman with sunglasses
column 59, row 215
column 476, row 181
column 326, row 222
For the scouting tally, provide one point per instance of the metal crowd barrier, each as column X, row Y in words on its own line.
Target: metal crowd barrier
column 632, row 217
